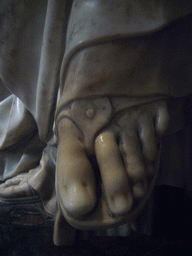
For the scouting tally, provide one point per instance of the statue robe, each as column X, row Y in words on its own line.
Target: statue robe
column 35, row 49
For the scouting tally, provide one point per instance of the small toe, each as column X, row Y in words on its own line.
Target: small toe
column 139, row 189
column 162, row 120
column 121, row 204
column 148, row 142
column 133, row 158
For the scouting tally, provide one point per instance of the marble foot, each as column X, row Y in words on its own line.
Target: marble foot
column 17, row 187
column 126, row 149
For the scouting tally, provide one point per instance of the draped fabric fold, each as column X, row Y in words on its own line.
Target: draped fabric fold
column 33, row 38
column 32, row 45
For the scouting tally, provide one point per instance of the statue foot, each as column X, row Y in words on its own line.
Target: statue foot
column 16, row 187
column 126, row 151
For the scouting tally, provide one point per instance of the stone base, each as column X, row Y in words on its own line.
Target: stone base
column 24, row 212
column 27, row 230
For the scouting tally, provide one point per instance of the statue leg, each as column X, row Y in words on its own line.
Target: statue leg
column 108, row 150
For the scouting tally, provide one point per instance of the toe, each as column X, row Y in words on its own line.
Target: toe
column 16, row 191
column 135, row 165
column 13, row 181
column 162, row 120
column 120, row 204
column 79, row 200
column 148, row 142
column 113, row 174
column 75, row 178
column 140, row 189
column 133, row 158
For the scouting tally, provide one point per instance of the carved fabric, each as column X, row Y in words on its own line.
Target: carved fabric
column 32, row 35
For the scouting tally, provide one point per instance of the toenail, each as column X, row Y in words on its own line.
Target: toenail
column 139, row 190
column 122, row 204
column 90, row 113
